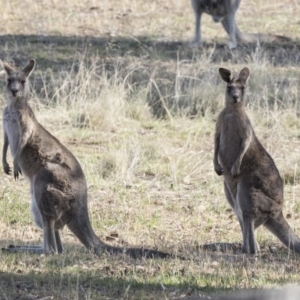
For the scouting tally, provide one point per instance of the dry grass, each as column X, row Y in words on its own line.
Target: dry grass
column 172, row 19
column 138, row 107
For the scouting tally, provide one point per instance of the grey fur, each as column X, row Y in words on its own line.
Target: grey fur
column 252, row 183
column 221, row 11
column 224, row 11
column 57, row 182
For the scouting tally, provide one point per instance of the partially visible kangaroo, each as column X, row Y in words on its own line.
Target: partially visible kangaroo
column 224, row 11
column 57, row 182
column 221, row 11
column 252, row 183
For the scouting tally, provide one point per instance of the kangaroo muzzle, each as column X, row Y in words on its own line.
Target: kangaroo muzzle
column 236, row 99
column 14, row 92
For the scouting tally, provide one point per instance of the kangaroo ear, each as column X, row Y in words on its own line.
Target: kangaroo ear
column 7, row 68
column 225, row 74
column 29, row 68
column 244, row 74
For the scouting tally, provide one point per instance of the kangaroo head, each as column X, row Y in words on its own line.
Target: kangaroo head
column 16, row 80
column 235, row 87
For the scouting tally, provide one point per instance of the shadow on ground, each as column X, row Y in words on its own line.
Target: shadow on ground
column 78, row 274
column 58, row 52
column 143, row 63
column 70, row 282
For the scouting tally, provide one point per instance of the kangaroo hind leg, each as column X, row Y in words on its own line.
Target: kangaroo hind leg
column 249, row 241
column 46, row 209
column 247, row 218
column 232, row 201
column 36, row 249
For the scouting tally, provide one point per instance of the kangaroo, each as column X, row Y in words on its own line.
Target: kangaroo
column 224, row 11
column 57, row 183
column 252, row 183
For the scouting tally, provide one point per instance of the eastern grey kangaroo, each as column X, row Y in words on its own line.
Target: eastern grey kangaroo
column 57, row 182
column 252, row 183
column 224, row 11
column 221, row 11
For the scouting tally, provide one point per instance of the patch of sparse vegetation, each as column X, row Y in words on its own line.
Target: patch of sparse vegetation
column 118, row 84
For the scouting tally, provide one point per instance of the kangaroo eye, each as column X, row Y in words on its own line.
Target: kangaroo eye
column 8, row 81
column 228, row 88
column 23, row 81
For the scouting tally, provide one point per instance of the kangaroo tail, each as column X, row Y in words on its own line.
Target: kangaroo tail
column 280, row 228
column 245, row 37
column 81, row 227
column 254, row 38
column 263, row 38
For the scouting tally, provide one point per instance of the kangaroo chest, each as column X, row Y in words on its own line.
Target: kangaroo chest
column 17, row 125
column 234, row 131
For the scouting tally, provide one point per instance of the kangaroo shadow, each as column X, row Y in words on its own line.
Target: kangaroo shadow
column 57, row 52
column 76, row 274
column 156, row 59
